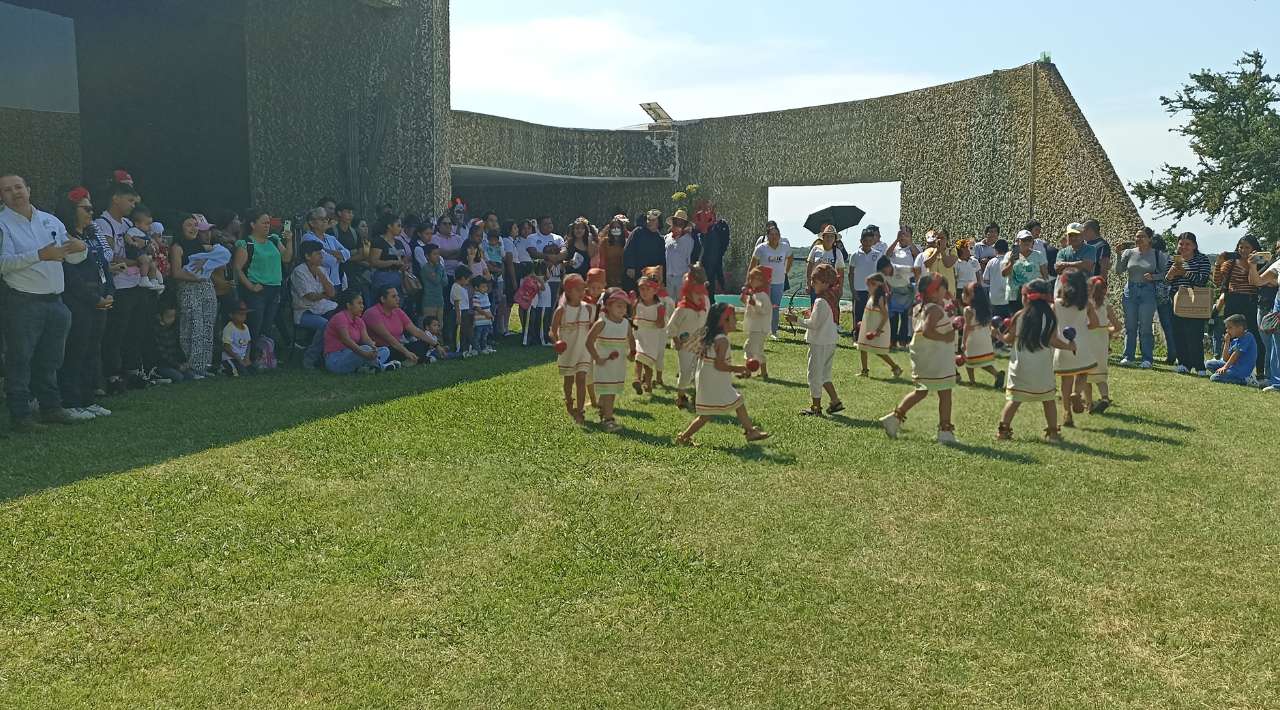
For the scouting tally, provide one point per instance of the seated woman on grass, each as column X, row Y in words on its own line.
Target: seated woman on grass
column 388, row 324
column 347, row 345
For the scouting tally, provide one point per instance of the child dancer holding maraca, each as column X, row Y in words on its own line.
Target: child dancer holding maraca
column 596, row 284
column 1033, row 335
column 1072, row 365
column 759, row 312
column 690, row 315
column 569, row 327
column 611, row 343
column 1100, row 335
column 651, row 314
column 822, row 335
column 933, row 367
column 873, row 334
column 715, row 393
column 978, row 348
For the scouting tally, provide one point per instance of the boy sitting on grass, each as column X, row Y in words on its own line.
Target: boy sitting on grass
column 1238, row 357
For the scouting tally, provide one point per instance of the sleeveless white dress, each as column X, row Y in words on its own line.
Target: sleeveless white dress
column 610, row 376
column 715, row 392
column 1065, row 362
column 933, row 362
column 874, row 322
column 651, row 332
column 575, row 324
column 1100, row 345
column 1030, row 377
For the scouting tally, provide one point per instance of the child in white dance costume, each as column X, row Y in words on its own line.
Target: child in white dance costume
column 978, row 348
column 822, row 335
column 715, row 393
column 611, row 343
column 1033, row 334
column 873, row 334
column 570, row 325
column 1099, row 342
column 596, row 285
column 933, row 366
column 651, row 314
column 1072, row 365
column 759, row 311
column 690, row 315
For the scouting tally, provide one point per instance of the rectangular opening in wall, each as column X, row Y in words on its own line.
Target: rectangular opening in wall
column 789, row 206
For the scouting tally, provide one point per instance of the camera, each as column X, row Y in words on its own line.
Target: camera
column 1231, row 255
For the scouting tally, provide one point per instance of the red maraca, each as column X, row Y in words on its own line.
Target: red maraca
column 1069, row 333
column 960, row 360
column 752, row 364
column 1008, row 322
column 613, row 355
column 561, row 346
column 958, row 322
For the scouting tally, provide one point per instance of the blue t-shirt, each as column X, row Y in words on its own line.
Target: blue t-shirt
column 1085, row 253
column 1247, row 347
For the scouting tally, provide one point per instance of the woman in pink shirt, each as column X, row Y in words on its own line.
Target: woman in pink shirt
column 387, row 323
column 347, row 345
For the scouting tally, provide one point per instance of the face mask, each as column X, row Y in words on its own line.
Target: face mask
column 616, row 231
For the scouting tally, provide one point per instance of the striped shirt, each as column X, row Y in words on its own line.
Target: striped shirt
column 1238, row 274
column 1197, row 273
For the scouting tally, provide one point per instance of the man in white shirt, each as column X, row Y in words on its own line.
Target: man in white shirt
column 993, row 279
column 679, row 249
column 335, row 255
column 985, row 250
column 537, row 244
column 33, row 245
column 864, row 259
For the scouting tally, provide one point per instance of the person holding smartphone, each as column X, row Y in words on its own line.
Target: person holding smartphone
column 1237, row 272
column 259, row 267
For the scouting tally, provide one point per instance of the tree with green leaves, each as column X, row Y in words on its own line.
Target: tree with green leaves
column 1234, row 130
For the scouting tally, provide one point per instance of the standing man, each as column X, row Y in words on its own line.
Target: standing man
column 355, row 270
column 131, row 314
column 1101, row 249
column 645, row 248
column 33, row 245
column 537, row 244
column 985, row 250
column 714, row 245
column 679, row 247
column 864, row 259
column 335, row 254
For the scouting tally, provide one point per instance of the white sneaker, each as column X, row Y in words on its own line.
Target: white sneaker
column 82, row 413
column 488, row 351
column 1271, row 388
column 1146, row 365
column 1181, row 369
column 391, row 365
column 947, row 437
column 1203, row 373
column 1126, row 362
column 98, row 410
column 892, row 424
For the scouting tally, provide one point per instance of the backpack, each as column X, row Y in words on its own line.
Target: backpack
column 267, row 353
column 248, row 248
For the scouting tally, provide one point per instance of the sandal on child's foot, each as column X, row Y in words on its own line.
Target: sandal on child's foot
column 1053, row 436
column 684, row 441
column 1069, row 423
column 835, row 408
column 1004, row 433
column 1077, row 403
column 897, row 373
column 579, row 418
column 1100, row 406
column 811, row 412
column 864, row 373
column 757, row 435
column 999, row 383
column 610, row 425
column 639, row 388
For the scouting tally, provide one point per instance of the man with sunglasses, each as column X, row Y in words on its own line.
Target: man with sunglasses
column 33, row 245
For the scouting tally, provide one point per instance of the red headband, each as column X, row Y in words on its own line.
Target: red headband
column 1034, row 296
column 77, row 194
column 1097, row 280
column 619, row 295
column 689, row 289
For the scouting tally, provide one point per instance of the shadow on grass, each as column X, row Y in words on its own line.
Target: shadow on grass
column 993, row 453
column 785, row 383
column 163, row 423
column 851, row 422
column 631, row 413
column 755, row 452
column 1133, row 435
column 1078, row 448
column 1148, row 421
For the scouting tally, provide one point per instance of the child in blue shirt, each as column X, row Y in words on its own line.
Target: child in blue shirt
column 1239, row 356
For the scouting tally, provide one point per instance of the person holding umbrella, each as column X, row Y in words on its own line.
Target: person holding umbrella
column 774, row 252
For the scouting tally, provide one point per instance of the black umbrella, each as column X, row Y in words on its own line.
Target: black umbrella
column 841, row 217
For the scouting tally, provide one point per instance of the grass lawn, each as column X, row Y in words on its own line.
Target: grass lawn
column 445, row 537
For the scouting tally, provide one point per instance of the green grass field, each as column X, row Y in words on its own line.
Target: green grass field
column 445, row 537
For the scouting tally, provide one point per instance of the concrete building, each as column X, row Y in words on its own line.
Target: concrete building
column 237, row 102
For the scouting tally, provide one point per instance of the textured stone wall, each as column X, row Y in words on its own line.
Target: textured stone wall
column 43, row 147
column 348, row 99
column 566, row 202
column 491, row 141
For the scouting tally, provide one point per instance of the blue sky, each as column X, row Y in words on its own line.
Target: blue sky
column 578, row 63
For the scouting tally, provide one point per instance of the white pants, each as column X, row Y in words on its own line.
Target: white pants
column 821, row 358
column 688, row 361
column 754, row 347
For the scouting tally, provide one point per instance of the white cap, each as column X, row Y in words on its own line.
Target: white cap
column 157, row 228
column 1024, row 234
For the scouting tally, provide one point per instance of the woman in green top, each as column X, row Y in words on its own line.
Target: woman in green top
column 259, row 265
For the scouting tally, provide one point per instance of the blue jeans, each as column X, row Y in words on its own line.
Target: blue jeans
column 1139, row 312
column 1165, row 313
column 263, row 307
column 35, row 335
column 316, row 324
column 775, row 295
column 1273, row 373
column 482, row 334
column 1228, row 379
column 173, row 375
column 345, row 362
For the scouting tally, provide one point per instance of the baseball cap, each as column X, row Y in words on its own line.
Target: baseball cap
column 1025, row 234
column 157, row 228
column 202, row 224
column 1075, row 228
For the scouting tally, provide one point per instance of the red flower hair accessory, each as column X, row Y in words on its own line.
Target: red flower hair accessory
column 77, row 194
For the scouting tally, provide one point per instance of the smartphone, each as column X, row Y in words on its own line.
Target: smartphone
column 288, row 225
column 1230, row 255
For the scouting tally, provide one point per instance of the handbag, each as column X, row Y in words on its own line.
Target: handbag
column 409, row 284
column 1163, row 292
column 1270, row 323
column 1193, row 302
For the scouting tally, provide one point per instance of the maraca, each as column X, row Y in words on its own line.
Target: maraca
column 561, row 346
column 958, row 322
column 1007, row 322
column 752, row 364
column 613, row 355
column 960, row 360
column 1069, row 333
column 996, row 322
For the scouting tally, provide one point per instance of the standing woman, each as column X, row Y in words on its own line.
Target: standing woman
column 580, row 248
column 774, row 252
column 1141, row 268
column 1190, row 269
column 902, row 255
column 197, row 298
column 1237, row 272
column 259, row 265
column 385, row 257
column 88, row 295
column 610, row 245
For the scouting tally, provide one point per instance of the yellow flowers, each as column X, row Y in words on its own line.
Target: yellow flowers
column 679, row 197
column 686, row 193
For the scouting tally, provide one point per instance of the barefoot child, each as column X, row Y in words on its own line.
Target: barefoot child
column 933, row 367
column 1108, row 327
column 570, row 325
column 759, row 312
column 650, row 320
column 822, row 336
column 873, row 335
column 978, row 349
column 715, row 392
column 611, row 343
column 1033, row 334
column 690, row 315
column 1072, row 365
